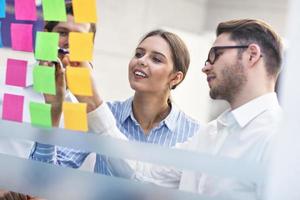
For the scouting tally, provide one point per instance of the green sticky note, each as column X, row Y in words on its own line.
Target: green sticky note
column 46, row 46
column 44, row 79
column 54, row 10
column 40, row 114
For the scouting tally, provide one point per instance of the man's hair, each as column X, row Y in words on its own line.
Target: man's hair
column 49, row 25
column 247, row 31
column 179, row 51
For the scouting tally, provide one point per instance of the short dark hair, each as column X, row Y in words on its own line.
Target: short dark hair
column 49, row 25
column 247, row 31
column 180, row 54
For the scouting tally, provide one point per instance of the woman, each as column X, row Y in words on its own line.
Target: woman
column 159, row 65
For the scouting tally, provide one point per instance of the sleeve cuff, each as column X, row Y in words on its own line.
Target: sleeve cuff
column 101, row 120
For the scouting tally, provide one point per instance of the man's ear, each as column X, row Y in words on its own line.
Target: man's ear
column 254, row 53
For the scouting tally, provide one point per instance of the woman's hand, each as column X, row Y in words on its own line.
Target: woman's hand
column 93, row 101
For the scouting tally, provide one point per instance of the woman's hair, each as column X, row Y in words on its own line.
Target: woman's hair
column 180, row 54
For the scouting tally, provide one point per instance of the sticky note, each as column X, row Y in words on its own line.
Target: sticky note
column 16, row 71
column 1, row 45
column 21, row 37
column 78, row 81
column 40, row 114
column 46, row 46
column 81, row 46
column 25, row 10
column 85, row 11
column 54, row 10
column 13, row 107
column 75, row 117
column 2, row 8
column 44, row 79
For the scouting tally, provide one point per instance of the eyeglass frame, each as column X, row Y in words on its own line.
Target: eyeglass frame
column 215, row 48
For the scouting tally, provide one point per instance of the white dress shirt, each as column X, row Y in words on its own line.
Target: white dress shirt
column 244, row 133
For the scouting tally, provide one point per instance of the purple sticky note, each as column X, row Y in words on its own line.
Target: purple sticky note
column 21, row 37
column 25, row 10
column 13, row 107
column 16, row 71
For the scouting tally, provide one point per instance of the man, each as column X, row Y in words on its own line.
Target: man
column 242, row 68
column 22, row 148
column 63, row 29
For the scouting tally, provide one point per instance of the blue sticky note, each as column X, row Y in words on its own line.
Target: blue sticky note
column 2, row 8
column 1, row 45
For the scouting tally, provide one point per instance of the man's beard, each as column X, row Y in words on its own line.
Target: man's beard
column 231, row 81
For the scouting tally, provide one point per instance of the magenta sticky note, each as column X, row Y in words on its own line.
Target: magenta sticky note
column 16, row 71
column 25, row 10
column 21, row 37
column 13, row 107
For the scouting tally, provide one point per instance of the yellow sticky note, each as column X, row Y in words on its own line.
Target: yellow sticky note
column 81, row 46
column 75, row 116
column 85, row 11
column 79, row 81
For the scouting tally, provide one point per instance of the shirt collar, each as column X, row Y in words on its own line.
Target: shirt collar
column 170, row 121
column 245, row 113
column 127, row 110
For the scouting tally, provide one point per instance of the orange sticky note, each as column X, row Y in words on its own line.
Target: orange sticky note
column 81, row 46
column 75, row 116
column 85, row 11
column 78, row 80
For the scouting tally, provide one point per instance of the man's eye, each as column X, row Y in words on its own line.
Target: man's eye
column 63, row 34
column 219, row 52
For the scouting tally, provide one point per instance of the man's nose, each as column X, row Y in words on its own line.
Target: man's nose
column 64, row 43
column 207, row 66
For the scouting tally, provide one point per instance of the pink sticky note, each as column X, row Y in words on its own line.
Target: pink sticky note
column 25, row 10
column 16, row 71
column 13, row 107
column 21, row 37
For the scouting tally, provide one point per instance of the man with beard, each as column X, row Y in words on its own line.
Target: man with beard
column 242, row 68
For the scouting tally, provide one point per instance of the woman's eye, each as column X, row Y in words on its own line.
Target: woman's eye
column 138, row 54
column 156, row 60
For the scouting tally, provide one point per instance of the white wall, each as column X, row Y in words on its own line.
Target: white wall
column 123, row 22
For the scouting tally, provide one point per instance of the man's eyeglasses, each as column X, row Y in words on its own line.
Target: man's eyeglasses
column 214, row 53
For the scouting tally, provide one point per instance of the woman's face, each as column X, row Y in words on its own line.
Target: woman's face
column 151, row 68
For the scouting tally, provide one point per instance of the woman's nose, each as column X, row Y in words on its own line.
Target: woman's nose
column 142, row 61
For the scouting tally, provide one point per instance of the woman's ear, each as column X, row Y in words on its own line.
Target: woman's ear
column 176, row 78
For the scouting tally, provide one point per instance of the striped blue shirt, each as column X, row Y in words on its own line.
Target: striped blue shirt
column 177, row 127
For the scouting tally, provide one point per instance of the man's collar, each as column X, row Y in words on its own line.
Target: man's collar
column 245, row 113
